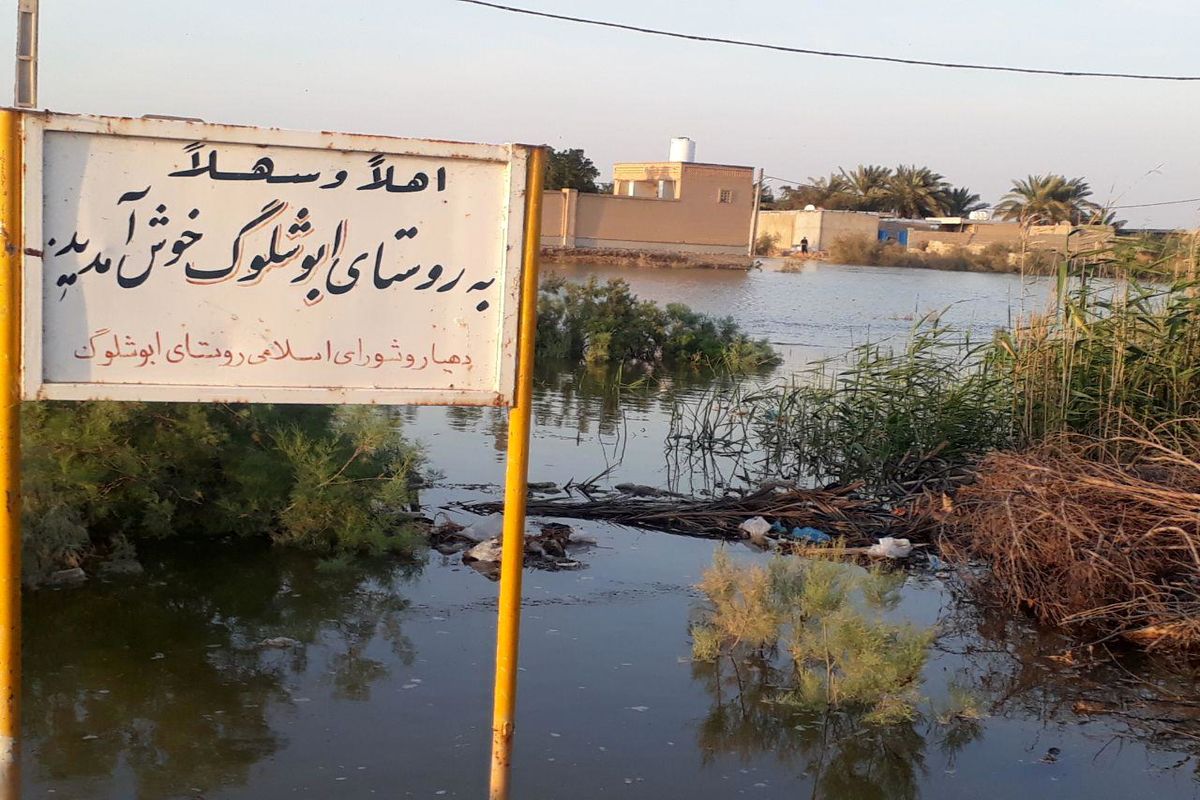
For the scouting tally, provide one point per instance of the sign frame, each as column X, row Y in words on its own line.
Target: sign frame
column 33, row 384
column 21, row 284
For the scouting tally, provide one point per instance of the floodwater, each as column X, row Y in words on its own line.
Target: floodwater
column 161, row 687
column 826, row 309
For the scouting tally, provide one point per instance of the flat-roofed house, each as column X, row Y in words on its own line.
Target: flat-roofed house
column 677, row 205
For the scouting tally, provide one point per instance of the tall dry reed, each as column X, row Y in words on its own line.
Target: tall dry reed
column 1089, row 535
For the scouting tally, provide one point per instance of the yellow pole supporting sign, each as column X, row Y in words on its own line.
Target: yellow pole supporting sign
column 516, row 477
column 10, row 449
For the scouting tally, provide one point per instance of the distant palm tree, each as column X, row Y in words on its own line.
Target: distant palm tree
column 868, row 185
column 915, row 192
column 1046, row 200
column 961, row 201
column 1104, row 216
column 832, row 193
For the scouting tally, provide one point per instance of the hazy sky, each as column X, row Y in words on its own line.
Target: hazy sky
column 437, row 68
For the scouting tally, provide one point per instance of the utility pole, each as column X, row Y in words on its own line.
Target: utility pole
column 25, row 88
column 11, row 231
column 758, row 190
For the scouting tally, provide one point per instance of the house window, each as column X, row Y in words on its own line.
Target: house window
column 725, row 196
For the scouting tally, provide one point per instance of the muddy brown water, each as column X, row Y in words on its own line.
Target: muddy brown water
column 161, row 687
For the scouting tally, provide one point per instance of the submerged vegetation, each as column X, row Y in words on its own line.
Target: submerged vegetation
column 827, row 618
column 605, row 323
column 885, row 417
column 101, row 476
column 1077, row 433
column 1106, row 353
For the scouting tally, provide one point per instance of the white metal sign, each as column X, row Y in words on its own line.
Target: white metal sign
column 175, row 260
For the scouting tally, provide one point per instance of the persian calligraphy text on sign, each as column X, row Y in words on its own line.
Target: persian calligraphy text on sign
column 176, row 260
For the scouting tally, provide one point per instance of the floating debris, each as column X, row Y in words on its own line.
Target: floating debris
column 279, row 643
column 888, row 547
column 548, row 549
column 67, row 577
column 836, row 512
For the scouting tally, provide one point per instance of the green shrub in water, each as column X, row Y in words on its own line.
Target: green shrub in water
column 601, row 323
column 98, row 476
column 828, row 617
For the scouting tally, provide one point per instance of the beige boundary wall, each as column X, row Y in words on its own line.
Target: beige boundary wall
column 664, row 247
column 779, row 226
column 1040, row 237
column 820, row 227
column 711, row 214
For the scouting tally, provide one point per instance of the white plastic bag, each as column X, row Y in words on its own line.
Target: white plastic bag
column 486, row 527
column 891, row 548
column 755, row 527
column 487, row 551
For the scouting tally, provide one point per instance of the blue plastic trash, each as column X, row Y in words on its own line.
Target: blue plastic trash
column 778, row 527
column 811, row 535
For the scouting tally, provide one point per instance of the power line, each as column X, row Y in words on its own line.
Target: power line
column 827, row 53
column 1163, row 203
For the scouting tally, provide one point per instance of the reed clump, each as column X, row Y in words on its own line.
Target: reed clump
column 1092, row 521
column 1107, row 355
column 895, row 419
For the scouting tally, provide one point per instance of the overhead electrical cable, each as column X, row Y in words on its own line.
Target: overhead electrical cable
column 1072, row 73
column 1161, row 203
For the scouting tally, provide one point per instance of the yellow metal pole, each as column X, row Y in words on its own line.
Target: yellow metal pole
column 10, row 449
column 516, row 477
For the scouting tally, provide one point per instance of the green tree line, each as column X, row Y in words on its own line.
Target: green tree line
column 912, row 191
column 909, row 191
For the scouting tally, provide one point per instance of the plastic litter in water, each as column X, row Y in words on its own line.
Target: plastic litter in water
column 755, row 527
column 889, row 547
column 811, row 535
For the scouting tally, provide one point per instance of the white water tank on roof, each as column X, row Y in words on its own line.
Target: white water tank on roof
column 682, row 149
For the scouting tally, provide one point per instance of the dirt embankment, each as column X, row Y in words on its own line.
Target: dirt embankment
column 645, row 258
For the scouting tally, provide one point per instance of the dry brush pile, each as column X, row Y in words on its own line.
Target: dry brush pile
column 1102, row 536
